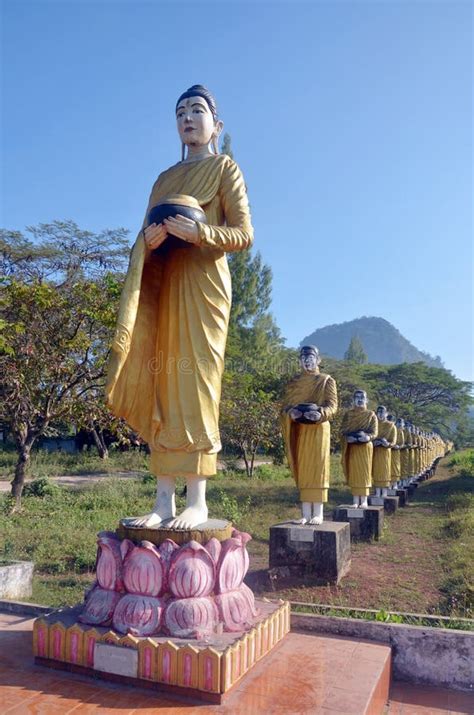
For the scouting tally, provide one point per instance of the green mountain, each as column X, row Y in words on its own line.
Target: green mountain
column 382, row 342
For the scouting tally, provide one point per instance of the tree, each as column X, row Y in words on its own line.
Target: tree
column 58, row 306
column 355, row 352
column 249, row 417
column 430, row 396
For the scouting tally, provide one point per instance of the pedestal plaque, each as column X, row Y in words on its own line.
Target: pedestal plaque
column 366, row 525
column 323, row 551
column 114, row 659
column 376, row 501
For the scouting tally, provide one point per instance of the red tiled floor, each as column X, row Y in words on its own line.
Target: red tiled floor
column 305, row 675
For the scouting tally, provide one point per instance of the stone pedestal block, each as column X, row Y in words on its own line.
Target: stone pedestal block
column 366, row 523
column 389, row 503
column 411, row 488
column 402, row 495
column 16, row 578
column 323, row 551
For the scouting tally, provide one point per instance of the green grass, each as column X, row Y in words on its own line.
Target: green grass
column 57, row 526
column 382, row 616
column 53, row 464
column 57, row 529
column 463, row 462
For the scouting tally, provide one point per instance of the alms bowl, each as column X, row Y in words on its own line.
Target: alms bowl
column 170, row 207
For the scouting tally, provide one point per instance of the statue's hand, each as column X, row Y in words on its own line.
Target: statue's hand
column 350, row 439
column 295, row 414
column 183, row 227
column 363, row 437
column 313, row 416
column 155, row 235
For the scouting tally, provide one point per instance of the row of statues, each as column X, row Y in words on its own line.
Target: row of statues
column 377, row 450
column 167, row 357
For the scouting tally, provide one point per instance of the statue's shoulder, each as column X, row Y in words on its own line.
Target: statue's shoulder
column 326, row 377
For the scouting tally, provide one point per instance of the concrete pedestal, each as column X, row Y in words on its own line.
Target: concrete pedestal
column 402, row 495
column 323, row 551
column 366, row 523
column 411, row 489
column 389, row 503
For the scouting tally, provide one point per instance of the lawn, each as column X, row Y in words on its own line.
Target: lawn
column 420, row 565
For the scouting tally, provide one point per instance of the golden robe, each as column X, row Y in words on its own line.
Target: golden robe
column 395, row 460
column 167, row 359
column 405, row 455
column 411, row 454
column 307, row 445
column 416, row 454
column 357, row 457
column 381, row 461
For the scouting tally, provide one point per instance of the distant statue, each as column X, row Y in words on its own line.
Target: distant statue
column 395, row 467
column 358, row 430
column 382, row 462
column 309, row 403
column 167, row 359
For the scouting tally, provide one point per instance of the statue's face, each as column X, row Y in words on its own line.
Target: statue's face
column 309, row 361
column 360, row 399
column 400, row 423
column 381, row 413
column 195, row 122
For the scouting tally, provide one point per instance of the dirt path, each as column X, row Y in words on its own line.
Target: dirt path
column 403, row 571
column 80, row 480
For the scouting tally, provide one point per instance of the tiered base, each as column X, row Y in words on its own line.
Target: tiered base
column 205, row 669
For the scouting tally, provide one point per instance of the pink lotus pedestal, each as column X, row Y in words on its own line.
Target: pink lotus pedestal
column 174, row 614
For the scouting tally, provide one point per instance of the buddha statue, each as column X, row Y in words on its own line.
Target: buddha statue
column 405, row 457
column 309, row 403
column 410, row 443
column 381, row 462
column 167, row 358
column 396, row 469
column 358, row 430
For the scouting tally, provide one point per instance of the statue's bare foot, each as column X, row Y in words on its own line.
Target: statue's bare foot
column 189, row 518
column 299, row 521
column 316, row 520
column 148, row 520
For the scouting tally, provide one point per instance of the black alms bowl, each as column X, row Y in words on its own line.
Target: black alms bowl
column 305, row 407
column 185, row 206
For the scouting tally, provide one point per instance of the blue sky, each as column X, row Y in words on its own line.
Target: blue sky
column 350, row 120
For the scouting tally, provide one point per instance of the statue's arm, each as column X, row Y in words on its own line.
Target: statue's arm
column 372, row 430
column 237, row 234
column 329, row 407
column 392, row 436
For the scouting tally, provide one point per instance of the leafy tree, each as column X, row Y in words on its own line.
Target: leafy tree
column 430, row 396
column 249, row 417
column 355, row 352
column 58, row 307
